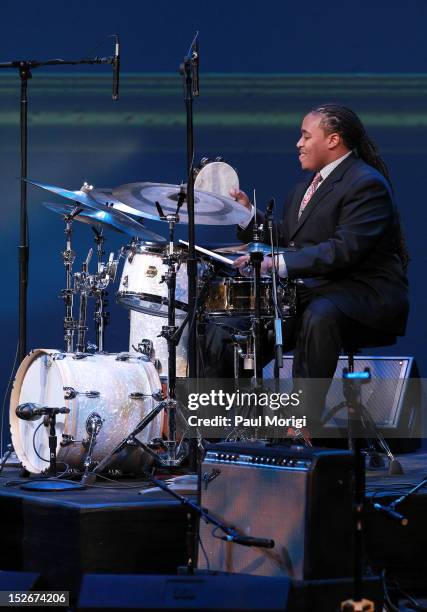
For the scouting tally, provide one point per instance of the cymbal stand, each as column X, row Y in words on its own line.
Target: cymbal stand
column 80, row 286
column 278, row 363
column 106, row 272
column 256, row 258
column 172, row 260
column 69, row 257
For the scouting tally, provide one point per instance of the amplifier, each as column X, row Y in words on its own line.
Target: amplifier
column 392, row 398
column 299, row 497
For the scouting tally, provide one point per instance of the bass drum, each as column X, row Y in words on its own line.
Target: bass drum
column 118, row 388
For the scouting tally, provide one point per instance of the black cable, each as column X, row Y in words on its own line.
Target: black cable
column 390, row 606
column 34, row 443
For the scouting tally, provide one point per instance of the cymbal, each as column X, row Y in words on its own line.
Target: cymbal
column 111, row 216
column 108, row 219
column 245, row 249
column 91, row 198
column 209, row 208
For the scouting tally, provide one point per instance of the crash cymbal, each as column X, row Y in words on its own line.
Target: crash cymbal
column 108, row 219
column 89, row 197
column 209, row 208
column 112, row 216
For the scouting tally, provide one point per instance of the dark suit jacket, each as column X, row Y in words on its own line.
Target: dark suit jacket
column 345, row 245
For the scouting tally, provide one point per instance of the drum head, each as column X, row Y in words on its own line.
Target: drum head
column 217, row 177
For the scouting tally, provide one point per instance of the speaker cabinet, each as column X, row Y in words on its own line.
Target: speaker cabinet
column 392, row 397
column 198, row 592
column 300, row 498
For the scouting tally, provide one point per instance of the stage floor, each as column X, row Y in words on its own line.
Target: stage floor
column 111, row 528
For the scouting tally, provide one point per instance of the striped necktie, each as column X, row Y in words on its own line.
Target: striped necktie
column 309, row 193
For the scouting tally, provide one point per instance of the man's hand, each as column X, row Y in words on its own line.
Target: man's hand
column 245, row 269
column 241, row 197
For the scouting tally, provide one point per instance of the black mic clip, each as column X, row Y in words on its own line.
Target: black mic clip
column 269, row 210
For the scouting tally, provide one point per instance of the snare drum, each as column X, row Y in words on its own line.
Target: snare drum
column 141, row 288
column 118, row 388
column 236, row 296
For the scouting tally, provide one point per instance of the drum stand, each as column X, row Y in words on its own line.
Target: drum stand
column 101, row 315
column 169, row 332
column 70, row 324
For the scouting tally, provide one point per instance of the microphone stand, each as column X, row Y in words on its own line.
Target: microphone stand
column 256, row 258
column 278, row 363
column 25, row 68
column 54, row 484
column 189, row 69
column 231, row 535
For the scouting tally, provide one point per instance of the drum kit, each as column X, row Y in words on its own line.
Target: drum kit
column 120, row 408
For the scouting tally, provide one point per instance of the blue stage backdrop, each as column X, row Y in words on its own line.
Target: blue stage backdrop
column 262, row 68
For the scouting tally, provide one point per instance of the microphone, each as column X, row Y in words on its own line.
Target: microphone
column 31, row 412
column 116, row 69
column 269, row 209
column 396, row 516
column 248, row 541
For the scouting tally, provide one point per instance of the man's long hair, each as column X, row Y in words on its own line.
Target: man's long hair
column 343, row 121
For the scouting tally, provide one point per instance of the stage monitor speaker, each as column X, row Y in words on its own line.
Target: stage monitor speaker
column 299, row 497
column 393, row 402
column 200, row 592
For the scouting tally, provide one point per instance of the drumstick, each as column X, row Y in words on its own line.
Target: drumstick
column 210, row 253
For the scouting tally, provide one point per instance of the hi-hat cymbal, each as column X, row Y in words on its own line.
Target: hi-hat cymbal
column 104, row 203
column 245, row 249
column 209, row 208
column 108, row 219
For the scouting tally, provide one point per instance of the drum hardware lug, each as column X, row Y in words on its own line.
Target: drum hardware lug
column 66, row 440
column 157, row 395
column 123, row 356
column 91, row 394
column 158, row 365
column 125, row 281
column 145, row 347
column 151, row 272
column 132, row 247
column 137, row 395
column 90, row 346
column 57, row 356
column 70, row 393
column 78, row 356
